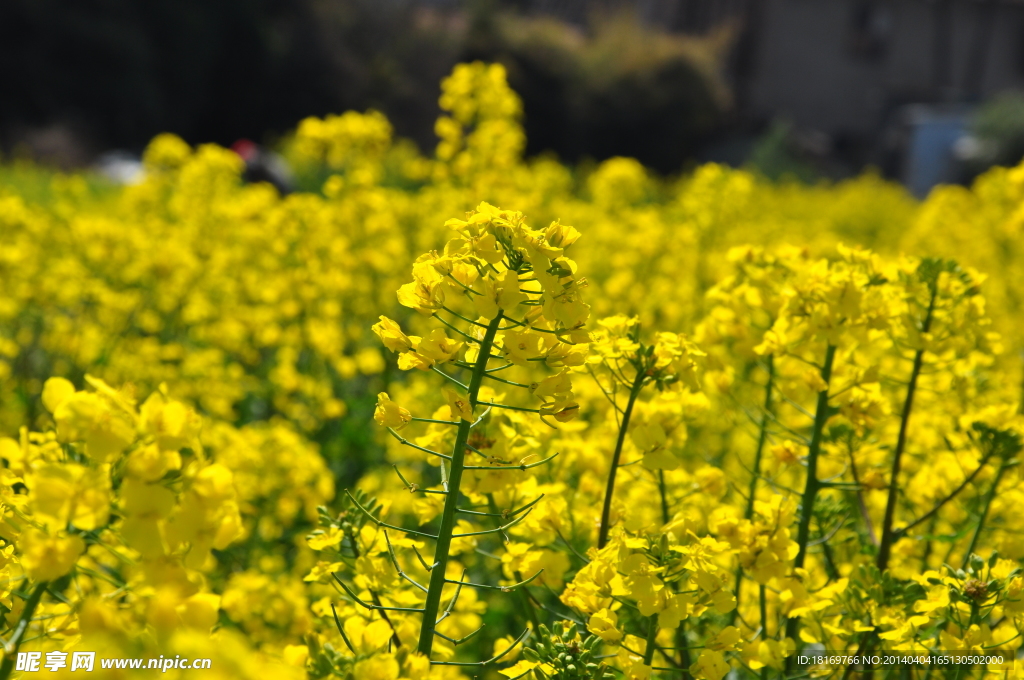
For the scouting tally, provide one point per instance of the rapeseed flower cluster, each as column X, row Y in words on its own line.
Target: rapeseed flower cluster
column 717, row 424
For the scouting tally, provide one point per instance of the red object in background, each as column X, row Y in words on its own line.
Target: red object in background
column 247, row 149
column 262, row 165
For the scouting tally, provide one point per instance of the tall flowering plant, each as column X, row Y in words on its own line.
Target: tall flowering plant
column 511, row 300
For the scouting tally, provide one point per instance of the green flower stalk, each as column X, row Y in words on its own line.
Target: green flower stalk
column 670, row 360
column 444, row 534
column 12, row 645
column 813, row 484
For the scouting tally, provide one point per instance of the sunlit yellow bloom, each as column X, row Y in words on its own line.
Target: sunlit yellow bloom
column 710, row 665
column 458, row 405
column 55, row 392
column 390, row 333
column 63, row 494
column 88, row 417
column 46, row 557
column 603, row 624
column 390, row 414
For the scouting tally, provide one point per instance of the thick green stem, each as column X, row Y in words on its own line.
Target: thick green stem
column 11, row 650
column 663, row 492
column 928, row 545
column 606, row 511
column 681, row 642
column 444, row 535
column 652, row 634
column 812, row 485
column 984, row 513
column 762, row 438
column 888, row 536
column 886, row 541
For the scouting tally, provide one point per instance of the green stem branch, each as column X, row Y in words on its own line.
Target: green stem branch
column 444, row 537
column 984, row 513
column 813, row 484
column 11, row 649
column 887, row 537
column 606, row 511
column 663, row 492
column 762, row 438
column 652, row 634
